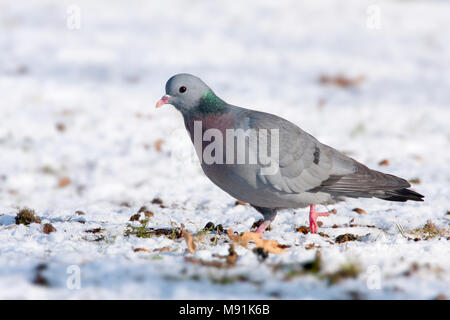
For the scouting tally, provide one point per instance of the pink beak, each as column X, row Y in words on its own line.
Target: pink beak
column 163, row 100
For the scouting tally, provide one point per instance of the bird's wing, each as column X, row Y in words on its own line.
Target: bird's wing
column 303, row 163
column 306, row 165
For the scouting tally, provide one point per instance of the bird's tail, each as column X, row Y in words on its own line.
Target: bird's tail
column 401, row 195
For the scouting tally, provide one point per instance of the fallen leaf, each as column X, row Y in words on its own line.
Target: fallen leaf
column 61, row 127
column 310, row 246
column 414, row 181
column 341, row 81
column 135, row 217
column 384, row 162
column 269, row 246
column 189, row 241
column 232, row 255
column 63, row 182
column 48, row 228
column 158, row 145
column 359, row 211
column 346, row 237
column 303, row 229
column 96, row 230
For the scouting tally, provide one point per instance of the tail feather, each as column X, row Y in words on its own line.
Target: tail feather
column 367, row 183
column 401, row 195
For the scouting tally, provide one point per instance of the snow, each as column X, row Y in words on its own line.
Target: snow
column 100, row 82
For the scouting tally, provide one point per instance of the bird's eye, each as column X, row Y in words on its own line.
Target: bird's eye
column 182, row 89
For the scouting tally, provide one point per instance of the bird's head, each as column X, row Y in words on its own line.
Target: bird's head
column 189, row 94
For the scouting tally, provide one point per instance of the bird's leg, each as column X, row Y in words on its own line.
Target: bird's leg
column 269, row 214
column 313, row 218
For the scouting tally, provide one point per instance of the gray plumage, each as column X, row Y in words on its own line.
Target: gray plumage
column 309, row 172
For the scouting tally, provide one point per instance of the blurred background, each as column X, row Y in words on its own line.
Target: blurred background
column 79, row 132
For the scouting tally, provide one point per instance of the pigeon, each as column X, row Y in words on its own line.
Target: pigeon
column 298, row 172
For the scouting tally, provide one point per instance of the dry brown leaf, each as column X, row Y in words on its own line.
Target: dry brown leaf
column 158, row 145
column 63, row 182
column 270, row 246
column 232, row 255
column 48, row 228
column 141, row 249
column 341, row 81
column 217, row 264
column 251, row 236
column 303, row 229
column 61, row 127
column 310, row 246
column 135, row 217
column 189, row 241
column 384, row 162
column 359, row 211
column 240, row 203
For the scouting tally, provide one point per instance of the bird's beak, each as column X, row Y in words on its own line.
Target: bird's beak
column 164, row 100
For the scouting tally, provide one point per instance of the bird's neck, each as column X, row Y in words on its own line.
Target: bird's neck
column 211, row 104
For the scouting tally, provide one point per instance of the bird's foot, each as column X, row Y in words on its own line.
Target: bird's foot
column 263, row 226
column 313, row 215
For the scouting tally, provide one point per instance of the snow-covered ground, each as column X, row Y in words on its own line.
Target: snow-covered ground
column 79, row 132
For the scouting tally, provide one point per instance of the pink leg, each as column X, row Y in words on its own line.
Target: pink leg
column 263, row 226
column 313, row 218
